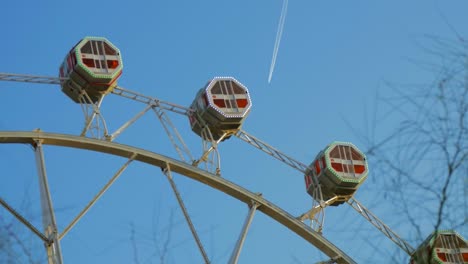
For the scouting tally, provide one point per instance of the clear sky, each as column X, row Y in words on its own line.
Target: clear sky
column 333, row 59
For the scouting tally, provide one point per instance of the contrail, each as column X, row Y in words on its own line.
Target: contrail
column 284, row 10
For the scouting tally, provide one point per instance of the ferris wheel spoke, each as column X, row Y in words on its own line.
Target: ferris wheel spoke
column 97, row 196
column 374, row 220
column 13, row 77
column 175, row 108
column 168, row 174
column 240, row 242
column 282, row 157
column 120, row 91
column 317, row 214
column 54, row 252
column 271, row 151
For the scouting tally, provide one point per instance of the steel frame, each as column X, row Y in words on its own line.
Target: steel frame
column 187, row 170
column 210, row 154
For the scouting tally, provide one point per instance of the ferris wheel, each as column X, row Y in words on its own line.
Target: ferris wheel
column 89, row 73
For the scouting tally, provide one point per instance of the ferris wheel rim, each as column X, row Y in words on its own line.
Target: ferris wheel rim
column 204, row 177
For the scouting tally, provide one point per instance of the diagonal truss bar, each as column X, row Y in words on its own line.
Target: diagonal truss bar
column 167, row 172
column 210, row 155
column 316, row 214
column 310, row 214
column 380, row 225
column 240, row 242
column 30, row 78
column 173, row 134
column 24, row 221
column 213, row 147
column 129, row 123
column 271, row 151
column 97, row 196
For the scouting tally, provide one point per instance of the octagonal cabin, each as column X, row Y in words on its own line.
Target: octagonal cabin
column 94, row 64
column 441, row 247
column 340, row 169
column 222, row 106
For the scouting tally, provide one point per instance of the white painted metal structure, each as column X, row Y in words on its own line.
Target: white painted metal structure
column 134, row 154
column 189, row 169
column 102, row 139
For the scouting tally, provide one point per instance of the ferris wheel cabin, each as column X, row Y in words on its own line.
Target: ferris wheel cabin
column 221, row 107
column 340, row 169
column 94, row 64
column 442, row 247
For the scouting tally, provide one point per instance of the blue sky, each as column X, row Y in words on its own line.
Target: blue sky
column 334, row 57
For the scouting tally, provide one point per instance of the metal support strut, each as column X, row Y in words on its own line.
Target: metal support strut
column 210, row 151
column 381, row 226
column 24, row 221
column 172, row 133
column 92, row 115
column 240, row 242
column 128, row 123
column 54, row 253
column 167, row 172
column 97, row 196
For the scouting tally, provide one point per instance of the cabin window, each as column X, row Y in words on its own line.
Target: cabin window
column 229, row 95
column 99, row 56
